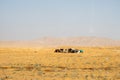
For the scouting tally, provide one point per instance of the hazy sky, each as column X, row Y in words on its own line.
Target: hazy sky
column 31, row 19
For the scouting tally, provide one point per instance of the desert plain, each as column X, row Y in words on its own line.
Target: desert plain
column 41, row 63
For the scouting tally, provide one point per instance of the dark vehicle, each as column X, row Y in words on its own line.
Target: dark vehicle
column 69, row 50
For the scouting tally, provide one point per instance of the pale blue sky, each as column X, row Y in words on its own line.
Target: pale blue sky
column 31, row 19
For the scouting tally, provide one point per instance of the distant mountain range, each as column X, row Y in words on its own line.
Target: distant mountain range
column 70, row 41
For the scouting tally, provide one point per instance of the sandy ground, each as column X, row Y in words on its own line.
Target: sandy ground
column 96, row 63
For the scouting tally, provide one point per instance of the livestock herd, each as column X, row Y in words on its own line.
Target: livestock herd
column 69, row 50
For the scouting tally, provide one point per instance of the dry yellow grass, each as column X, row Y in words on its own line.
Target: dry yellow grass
column 96, row 63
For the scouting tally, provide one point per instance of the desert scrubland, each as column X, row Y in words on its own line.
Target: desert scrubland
column 96, row 63
column 36, row 60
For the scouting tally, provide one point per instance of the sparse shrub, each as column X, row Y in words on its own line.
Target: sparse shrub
column 86, row 77
column 37, row 67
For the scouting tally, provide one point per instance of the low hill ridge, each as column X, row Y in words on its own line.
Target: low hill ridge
column 69, row 41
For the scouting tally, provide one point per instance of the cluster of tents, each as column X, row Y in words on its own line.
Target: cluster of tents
column 69, row 50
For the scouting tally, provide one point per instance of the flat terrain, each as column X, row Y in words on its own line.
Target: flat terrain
column 96, row 63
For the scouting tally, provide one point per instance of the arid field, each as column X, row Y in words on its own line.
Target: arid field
column 96, row 63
